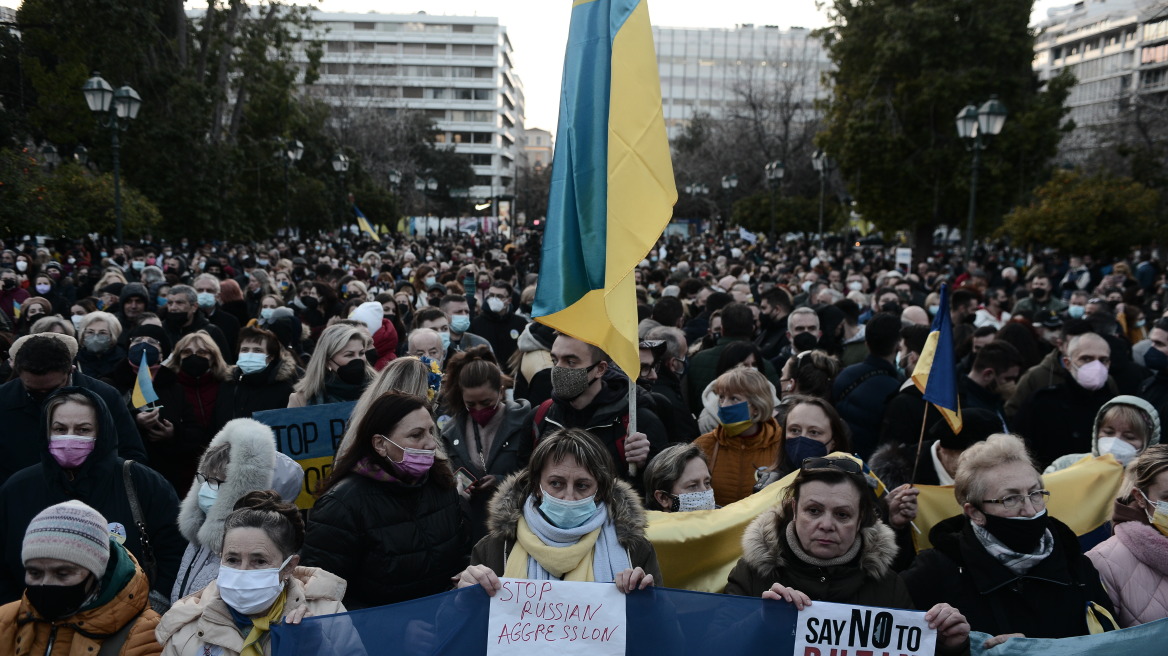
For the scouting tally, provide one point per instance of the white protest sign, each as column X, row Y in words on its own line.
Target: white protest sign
column 824, row 629
column 904, row 258
column 571, row 617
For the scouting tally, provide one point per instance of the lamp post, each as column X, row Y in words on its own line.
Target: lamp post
column 291, row 153
column 972, row 123
column 50, row 157
column 822, row 165
column 81, row 154
column 341, row 166
column 729, row 184
column 774, row 177
column 113, row 110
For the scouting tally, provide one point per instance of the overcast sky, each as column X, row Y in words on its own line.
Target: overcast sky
column 538, row 29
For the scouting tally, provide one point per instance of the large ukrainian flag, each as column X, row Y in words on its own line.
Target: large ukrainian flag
column 936, row 372
column 612, row 190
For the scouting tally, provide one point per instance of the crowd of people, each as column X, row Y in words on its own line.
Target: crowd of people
column 484, row 445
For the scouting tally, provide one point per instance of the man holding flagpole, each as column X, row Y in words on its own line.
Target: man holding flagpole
column 612, row 193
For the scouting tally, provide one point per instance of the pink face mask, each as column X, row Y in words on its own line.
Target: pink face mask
column 415, row 463
column 70, row 451
column 1092, row 375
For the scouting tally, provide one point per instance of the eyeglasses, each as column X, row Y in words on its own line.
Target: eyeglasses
column 211, row 482
column 649, row 367
column 1015, row 501
column 846, row 465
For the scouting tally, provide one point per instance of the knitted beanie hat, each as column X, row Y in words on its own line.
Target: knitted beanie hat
column 69, row 531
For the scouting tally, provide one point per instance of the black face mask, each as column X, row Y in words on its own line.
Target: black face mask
column 1038, row 294
column 153, row 355
column 352, row 373
column 371, row 357
column 9, row 283
column 177, row 319
column 804, row 342
column 891, row 307
column 1020, row 535
column 402, row 309
column 56, row 601
column 195, row 365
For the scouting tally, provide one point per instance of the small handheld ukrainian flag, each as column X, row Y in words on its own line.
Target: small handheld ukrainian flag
column 144, row 393
column 936, row 372
column 364, row 225
column 612, row 189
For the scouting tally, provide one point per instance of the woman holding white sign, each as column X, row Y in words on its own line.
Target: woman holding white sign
column 824, row 542
column 567, row 517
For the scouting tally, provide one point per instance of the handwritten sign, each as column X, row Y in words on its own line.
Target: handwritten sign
column 535, row 617
column 310, row 436
column 824, row 629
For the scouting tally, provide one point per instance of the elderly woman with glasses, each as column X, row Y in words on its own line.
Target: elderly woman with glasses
column 824, row 542
column 1012, row 568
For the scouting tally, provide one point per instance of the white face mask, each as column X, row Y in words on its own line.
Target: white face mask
column 496, row 305
column 250, row 591
column 1122, row 451
column 694, row 501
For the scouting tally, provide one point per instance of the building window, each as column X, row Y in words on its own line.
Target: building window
column 338, row 46
column 463, row 29
column 364, row 26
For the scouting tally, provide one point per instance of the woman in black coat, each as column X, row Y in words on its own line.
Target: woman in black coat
column 262, row 378
column 389, row 520
column 482, row 435
column 1010, row 567
column 96, row 478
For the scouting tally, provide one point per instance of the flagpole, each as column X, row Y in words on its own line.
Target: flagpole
column 632, row 420
column 920, row 442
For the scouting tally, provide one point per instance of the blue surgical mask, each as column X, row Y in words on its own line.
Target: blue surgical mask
column 206, row 300
column 1076, row 311
column 266, row 313
column 207, row 497
column 460, row 323
column 567, row 514
column 802, row 447
column 445, row 337
column 249, row 363
column 160, row 301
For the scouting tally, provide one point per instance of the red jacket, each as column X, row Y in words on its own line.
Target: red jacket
column 385, row 341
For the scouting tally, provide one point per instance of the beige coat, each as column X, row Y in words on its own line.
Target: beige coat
column 203, row 618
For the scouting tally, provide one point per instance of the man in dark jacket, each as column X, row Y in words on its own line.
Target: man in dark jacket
column 99, row 482
column 670, row 372
column 861, row 392
column 737, row 326
column 207, row 293
column 132, row 302
column 936, row 462
column 43, row 364
column 588, row 393
column 1059, row 419
column 774, row 306
column 182, row 318
column 498, row 323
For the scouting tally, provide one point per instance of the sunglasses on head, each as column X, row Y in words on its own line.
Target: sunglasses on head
column 846, row 465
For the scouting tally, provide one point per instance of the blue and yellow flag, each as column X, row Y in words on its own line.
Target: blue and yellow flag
column 364, row 225
column 936, row 372
column 612, row 190
column 144, row 393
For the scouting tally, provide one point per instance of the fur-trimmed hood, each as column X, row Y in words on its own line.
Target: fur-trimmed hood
column 250, row 467
column 762, row 546
column 624, row 509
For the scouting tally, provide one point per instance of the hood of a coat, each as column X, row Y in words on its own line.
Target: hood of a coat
column 762, row 547
column 250, row 465
column 1150, row 415
column 105, row 448
column 624, row 509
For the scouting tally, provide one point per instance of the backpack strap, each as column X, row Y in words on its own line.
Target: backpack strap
column 148, row 562
column 541, row 413
column 860, row 381
column 112, row 646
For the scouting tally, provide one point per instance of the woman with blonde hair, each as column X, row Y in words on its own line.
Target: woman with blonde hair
column 191, row 408
column 747, row 438
column 337, row 371
column 97, row 337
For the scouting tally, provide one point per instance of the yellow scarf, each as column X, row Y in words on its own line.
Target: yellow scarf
column 572, row 563
column 261, row 625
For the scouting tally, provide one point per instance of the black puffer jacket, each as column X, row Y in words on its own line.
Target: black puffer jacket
column 196, row 419
column 99, row 483
column 267, row 389
column 1049, row 601
column 391, row 541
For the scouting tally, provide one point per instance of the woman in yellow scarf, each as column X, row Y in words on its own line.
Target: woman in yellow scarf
column 566, row 516
column 259, row 585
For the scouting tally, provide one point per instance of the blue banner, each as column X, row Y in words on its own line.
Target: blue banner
column 1143, row 639
column 660, row 621
column 310, row 436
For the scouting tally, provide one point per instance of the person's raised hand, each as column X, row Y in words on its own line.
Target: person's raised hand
column 637, row 449
column 999, row 639
column 902, row 506
column 952, row 627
